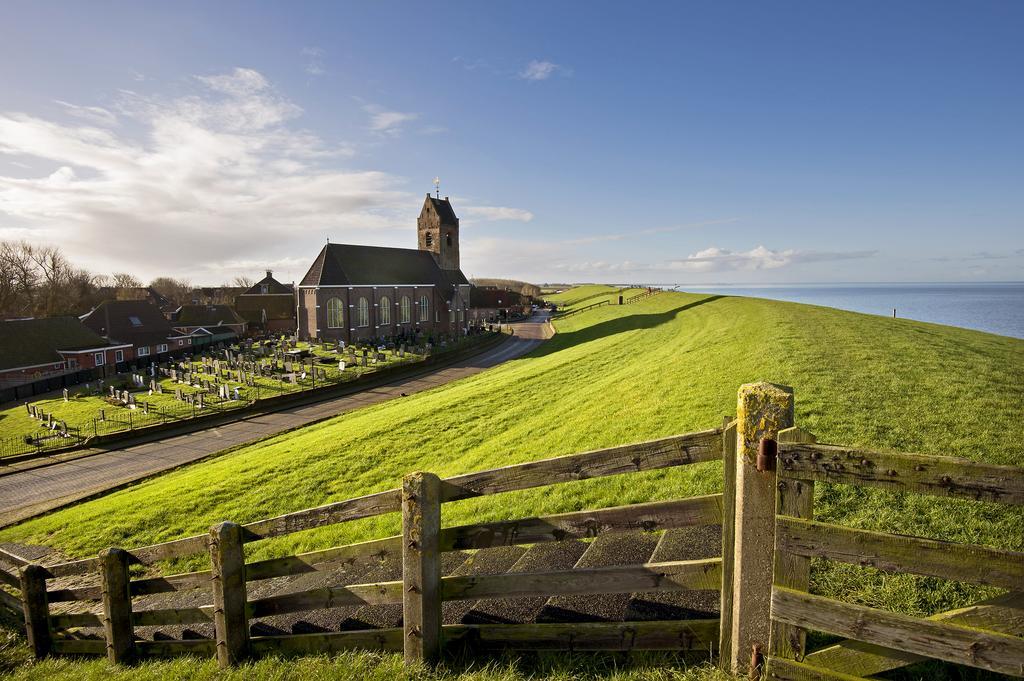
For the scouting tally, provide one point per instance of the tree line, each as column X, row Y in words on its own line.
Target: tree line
column 39, row 281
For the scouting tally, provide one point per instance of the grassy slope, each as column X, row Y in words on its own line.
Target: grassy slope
column 620, row 374
column 587, row 292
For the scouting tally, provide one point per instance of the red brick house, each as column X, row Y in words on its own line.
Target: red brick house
column 140, row 323
column 268, row 306
column 32, row 349
column 489, row 304
column 356, row 293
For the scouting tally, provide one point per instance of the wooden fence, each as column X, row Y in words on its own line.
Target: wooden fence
column 766, row 606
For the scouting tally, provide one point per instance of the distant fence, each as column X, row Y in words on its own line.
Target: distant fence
column 767, row 462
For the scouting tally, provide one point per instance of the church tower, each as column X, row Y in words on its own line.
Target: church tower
column 438, row 232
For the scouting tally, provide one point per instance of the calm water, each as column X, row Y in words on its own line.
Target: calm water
column 996, row 308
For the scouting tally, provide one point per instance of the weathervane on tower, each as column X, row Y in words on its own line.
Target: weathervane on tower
column 437, row 186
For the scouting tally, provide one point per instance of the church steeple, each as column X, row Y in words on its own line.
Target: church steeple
column 438, row 232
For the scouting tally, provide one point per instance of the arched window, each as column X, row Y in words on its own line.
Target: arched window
column 385, row 311
column 424, row 309
column 335, row 314
column 405, row 315
column 363, row 313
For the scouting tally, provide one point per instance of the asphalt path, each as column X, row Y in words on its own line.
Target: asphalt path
column 45, row 485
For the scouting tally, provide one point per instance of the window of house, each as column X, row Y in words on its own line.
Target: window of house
column 180, row 343
column 385, row 311
column 405, row 314
column 462, row 315
column 119, row 355
column 142, row 351
column 190, row 341
column 335, row 314
column 424, row 308
column 451, row 316
column 99, row 359
column 162, row 347
column 363, row 317
column 135, row 321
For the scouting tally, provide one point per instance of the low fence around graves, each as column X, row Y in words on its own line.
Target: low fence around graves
column 117, row 421
column 422, row 589
column 770, row 468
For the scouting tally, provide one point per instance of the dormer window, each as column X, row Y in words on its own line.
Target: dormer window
column 135, row 321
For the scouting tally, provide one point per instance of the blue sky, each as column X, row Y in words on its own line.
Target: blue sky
column 668, row 143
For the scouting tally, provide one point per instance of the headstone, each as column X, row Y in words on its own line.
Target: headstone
column 113, row 392
column 237, row 397
column 178, row 394
column 28, row 408
column 381, row 357
column 362, row 360
column 65, row 391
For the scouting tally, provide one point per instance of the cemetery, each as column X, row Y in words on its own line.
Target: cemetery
column 219, row 380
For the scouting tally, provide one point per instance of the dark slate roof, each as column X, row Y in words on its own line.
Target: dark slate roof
column 348, row 265
column 277, row 307
column 207, row 315
column 28, row 342
column 274, row 287
column 444, row 210
column 152, row 327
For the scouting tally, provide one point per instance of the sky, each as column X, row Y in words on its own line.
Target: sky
column 674, row 143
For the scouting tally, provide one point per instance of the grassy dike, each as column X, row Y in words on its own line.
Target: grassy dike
column 669, row 364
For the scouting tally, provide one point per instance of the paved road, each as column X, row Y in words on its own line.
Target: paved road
column 37, row 489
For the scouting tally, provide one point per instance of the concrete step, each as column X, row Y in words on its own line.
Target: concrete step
column 538, row 558
column 484, row 562
column 627, row 548
column 686, row 543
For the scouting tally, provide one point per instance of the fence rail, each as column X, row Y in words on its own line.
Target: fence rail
column 769, row 536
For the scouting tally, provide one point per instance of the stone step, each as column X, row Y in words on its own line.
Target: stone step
column 626, row 548
column 561, row 555
column 493, row 561
column 686, row 543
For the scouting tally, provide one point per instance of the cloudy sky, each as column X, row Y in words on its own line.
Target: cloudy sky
column 681, row 143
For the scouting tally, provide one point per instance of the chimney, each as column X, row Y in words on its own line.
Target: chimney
column 269, row 273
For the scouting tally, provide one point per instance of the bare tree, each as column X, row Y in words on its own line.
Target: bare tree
column 125, row 280
column 241, row 281
column 178, row 291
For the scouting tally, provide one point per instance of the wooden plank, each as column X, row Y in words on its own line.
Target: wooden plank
column 699, row 635
column 949, row 642
column 14, row 559
column 228, row 579
column 1003, row 614
column 184, row 581
column 653, row 516
column 899, row 553
column 331, row 642
column 79, row 646
column 76, row 619
column 376, row 549
column 382, row 593
column 728, row 541
column 781, row 669
column 678, row 450
column 328, row 514
column 668, row 576
column 793, row 570
column 199, row 646
column 146, row 618
column 421, row 567
column 36, row 609
column 118, row 630
column 937, row 475
column 9, row 578
column 11, row 602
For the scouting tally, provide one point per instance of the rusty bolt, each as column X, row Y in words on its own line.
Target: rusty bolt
column 767, row 452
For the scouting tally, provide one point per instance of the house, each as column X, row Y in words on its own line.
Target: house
column 147, row 293
column 139, row 323
column 358, row 293
column 489, row 304
column 220, row 321
column 268, row 306
column 32, row 349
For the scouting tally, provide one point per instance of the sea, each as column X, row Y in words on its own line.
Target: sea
column 992, row 307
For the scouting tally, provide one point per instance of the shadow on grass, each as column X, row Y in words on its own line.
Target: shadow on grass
column 563, row 340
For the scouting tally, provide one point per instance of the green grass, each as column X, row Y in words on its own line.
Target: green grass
column 667, row 365
column 577, row 294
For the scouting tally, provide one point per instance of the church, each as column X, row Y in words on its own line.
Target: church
column 361, row 293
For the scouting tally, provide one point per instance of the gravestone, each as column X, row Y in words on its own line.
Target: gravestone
column 362, row 360
column 178, row 394
column 113, row 392
column 65, row 392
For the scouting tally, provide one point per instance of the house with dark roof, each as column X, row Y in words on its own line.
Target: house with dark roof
column 31, row 349
column 268, row 306
column 139, row 323
column 355, row 293
column 147, row 293
column 489, row 304
column 219, row 320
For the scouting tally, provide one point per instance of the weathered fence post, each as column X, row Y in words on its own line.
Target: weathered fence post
column 228, row 577
column 36, row 608
column 117, row 606
column 794, row 498
column 763, row 409
column 421, row 567
column 728, row 540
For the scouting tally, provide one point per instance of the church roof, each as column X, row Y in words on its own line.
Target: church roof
column 444, row 210
column 350, row 265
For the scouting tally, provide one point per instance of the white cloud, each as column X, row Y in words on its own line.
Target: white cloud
column 385, row 122
column 540, row 70
column 495, row 213
column 314, row 61
column 214, row 179
column 93, row 114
